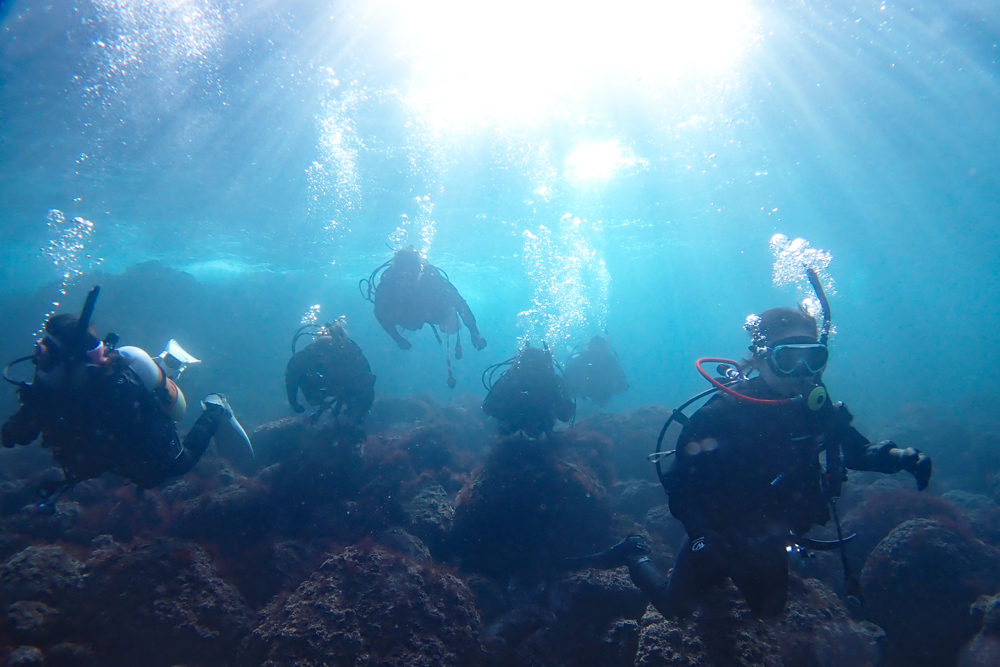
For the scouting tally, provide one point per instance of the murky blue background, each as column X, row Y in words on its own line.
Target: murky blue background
column 273, row 150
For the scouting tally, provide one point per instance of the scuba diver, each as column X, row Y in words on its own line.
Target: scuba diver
column 332, row 373
column 747, row 481
column 412, row 292
column 595, row 373
column 528, row 396
column 105, row 409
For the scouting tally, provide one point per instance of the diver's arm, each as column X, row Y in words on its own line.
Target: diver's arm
column 885, row 456
column 859, row 452
column 20, row 429
column 390, row 328
column 456, row 301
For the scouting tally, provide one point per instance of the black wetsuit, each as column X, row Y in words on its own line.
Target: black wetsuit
column 332, row 372
column 745, row 477
column 529, row 396
column 428, row 298
column 99, row 419
column 595, row 374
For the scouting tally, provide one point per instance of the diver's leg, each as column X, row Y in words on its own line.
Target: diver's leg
column 696, row 572
column 761, row 574
column 197, row 439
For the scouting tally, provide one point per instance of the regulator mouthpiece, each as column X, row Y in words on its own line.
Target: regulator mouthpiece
column 817, row 398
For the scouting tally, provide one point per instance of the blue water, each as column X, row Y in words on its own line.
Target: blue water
column 279, row 146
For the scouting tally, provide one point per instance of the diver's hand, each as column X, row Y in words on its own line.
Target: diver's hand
column 478, row 341
column 921, row 471
column 915, row 463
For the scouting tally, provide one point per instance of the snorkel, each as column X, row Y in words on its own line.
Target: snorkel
column 94, row 355
column 816, row 398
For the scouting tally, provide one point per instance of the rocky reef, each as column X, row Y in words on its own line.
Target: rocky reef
column 434, row 542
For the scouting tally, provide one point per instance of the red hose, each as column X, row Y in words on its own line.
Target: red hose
column 719, row 385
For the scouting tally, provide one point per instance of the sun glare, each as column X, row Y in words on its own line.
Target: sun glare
column 518, row 59
column 599, row 162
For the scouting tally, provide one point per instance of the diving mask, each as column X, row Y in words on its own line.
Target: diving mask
column 791, row 358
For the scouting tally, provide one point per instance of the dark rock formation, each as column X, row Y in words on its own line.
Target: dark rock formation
column 920, row 583
column 633, row 435
column 529, row 508
column 984, row 649
column 430, row 515
column 44, row 574
column 159, row 603
column 815, row 629
column 636, row 497
column 883, row 507
column 369, row 606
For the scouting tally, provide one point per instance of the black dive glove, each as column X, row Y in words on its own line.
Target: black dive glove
column 915, row 463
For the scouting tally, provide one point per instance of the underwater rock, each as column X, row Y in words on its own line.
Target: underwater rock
column 430, row 515
column 403, row 543
column 984, row 649
column 31, row 619
column 44, row 574
column 968, row 501
column 582, row 618
column 160, row 603
column 636, row 497
column 814, row 629
column 920, row 583
column 884, row 507
column 25, row 656
column 279, row 440
column 68, row 654
column 369, row 606
column 529, row 508
column 400, row 412
column 233, row 515
column 266, row 569
column 633, row 435
column 598, row 596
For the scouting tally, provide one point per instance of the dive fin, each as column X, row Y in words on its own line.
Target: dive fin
column 175, row 359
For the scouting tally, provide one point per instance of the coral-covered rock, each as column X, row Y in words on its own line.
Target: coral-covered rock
column 400, row 541
column 369, row 606
column 529, row 508
column 984, row 649
column 45, row 574
column 280, row 439
column 583, row 618
column 921, row 581
column 31, row 618
column 815, row 629
column 236, row 514
column 26, row 656
column 636, row 497
column 430, row 515
column 634, row 436
column 160, row 603
column 883, row 507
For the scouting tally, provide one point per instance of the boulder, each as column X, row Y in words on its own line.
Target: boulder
column 44, row 574
column 159, row 604
column 530, row 508
column 369, row 606
column 984, row 649
column 920, row 583
column 815, row 629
